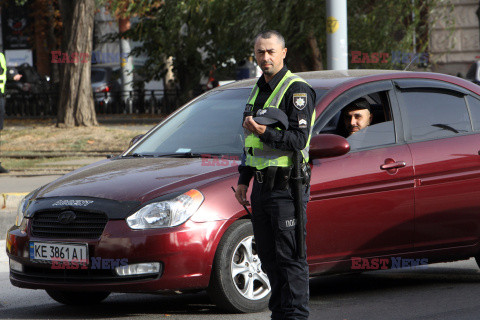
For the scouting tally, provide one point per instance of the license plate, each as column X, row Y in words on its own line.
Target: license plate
column 50, row 251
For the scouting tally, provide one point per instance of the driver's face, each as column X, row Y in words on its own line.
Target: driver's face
column 356, row 120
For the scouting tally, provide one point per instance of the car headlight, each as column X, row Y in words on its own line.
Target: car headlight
column 22, row 207
column 21, row 211
column 167, row 213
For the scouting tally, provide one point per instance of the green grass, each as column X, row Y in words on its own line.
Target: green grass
column 23, row 164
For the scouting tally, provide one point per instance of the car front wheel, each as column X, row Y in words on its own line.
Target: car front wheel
column 77, row 298
column 238, row 282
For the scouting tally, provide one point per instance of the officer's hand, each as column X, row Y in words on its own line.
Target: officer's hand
column 241, row 194
column 253, row 127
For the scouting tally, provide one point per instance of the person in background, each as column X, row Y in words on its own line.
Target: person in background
column 3, row 81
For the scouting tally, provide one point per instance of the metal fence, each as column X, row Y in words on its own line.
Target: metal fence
column 27, row 104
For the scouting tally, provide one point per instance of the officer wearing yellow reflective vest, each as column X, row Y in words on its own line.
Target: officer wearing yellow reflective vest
column 268, row 160
column 3, row 81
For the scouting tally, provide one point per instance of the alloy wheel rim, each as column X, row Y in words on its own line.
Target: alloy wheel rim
column 246, row 269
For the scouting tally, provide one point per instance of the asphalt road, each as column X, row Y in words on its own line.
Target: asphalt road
column 444, row 291
column 447, row 291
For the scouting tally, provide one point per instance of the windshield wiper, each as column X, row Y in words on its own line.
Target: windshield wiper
column 139, row 155
column 181, row 155
column 175, row 155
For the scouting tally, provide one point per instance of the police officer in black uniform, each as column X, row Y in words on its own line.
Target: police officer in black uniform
column 268, row 160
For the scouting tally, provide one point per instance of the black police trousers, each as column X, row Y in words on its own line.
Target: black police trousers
column 273, row 218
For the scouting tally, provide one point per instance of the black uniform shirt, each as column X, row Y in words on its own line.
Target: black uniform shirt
column 299, row 118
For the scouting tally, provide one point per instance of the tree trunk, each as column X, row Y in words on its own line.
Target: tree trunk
column 316, row 53
column 76, row 107
column 301, row 59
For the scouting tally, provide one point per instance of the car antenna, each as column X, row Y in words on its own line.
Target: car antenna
column 415, row 58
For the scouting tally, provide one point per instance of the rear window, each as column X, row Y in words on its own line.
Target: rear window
column 474, row 105
column 433, row 115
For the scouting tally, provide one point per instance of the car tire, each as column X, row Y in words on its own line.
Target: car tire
column 77, row 298
column 237, row 283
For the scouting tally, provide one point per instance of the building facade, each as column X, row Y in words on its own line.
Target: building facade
column 453, row 50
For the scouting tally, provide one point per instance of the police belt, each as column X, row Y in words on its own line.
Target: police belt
column 278, row 178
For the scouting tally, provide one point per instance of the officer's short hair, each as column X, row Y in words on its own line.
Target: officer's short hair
column 267, row 34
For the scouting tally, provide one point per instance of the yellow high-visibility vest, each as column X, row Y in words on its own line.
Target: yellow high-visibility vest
column 3, row 75
column 260, row 155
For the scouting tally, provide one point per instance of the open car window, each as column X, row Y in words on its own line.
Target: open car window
column 381, row 130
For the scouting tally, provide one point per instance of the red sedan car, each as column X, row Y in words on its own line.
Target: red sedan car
column 162, row 216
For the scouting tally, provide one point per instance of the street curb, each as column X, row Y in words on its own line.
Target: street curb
column 11, row 200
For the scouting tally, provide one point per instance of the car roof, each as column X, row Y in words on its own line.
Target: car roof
column 321, row 79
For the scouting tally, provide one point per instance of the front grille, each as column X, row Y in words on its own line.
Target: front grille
column 74, row 276
column 87, row 225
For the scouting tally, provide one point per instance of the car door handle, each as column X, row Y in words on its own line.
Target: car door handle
column 394, row 165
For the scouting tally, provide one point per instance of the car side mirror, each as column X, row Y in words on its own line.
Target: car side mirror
column 135, row 139
column 328, row 145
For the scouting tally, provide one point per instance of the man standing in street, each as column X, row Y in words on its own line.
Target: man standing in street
column 268, row 159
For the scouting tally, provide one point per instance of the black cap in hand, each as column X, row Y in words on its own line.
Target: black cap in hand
column 272, row 117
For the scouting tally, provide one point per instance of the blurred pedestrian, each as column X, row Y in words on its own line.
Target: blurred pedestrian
column 14, row 75
column 3, row 81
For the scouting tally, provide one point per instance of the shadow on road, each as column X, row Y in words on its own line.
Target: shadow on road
column 385, row 281
column 325, row 288
column 120, row 306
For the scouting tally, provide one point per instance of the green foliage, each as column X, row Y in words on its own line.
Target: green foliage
column 130, row 8
column 395, row 27
column 200, row 34
column 20, row 2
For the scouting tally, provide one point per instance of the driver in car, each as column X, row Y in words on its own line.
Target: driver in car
column 356, row 116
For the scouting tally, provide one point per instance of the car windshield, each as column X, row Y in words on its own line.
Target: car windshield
column 210, row 125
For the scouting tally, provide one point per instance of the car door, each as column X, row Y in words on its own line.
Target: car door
column 361, row 203
column 445, row 150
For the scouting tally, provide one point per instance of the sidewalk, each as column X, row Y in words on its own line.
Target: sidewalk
column 3, row 257
column 14, row 188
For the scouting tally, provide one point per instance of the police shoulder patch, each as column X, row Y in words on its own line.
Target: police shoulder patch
column 300, row 100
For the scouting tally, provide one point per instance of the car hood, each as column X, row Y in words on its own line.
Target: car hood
column 136, row 179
